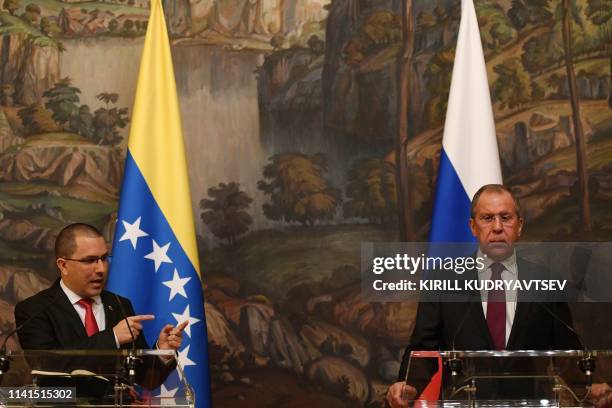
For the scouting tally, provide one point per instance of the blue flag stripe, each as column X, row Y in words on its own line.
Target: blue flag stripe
column 451, row 210
column 134, row 276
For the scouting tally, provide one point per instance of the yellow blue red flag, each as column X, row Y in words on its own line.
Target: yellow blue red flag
column 155, row 259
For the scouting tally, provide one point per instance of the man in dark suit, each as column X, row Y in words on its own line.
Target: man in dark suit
column 76, row 313
column 497, row 320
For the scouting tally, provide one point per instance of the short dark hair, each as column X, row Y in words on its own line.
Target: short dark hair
column 65, row 243
column 494, row 188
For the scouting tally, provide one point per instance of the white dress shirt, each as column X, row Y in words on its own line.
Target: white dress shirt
column 99, row 314
column 509, row 273
column 97, row 307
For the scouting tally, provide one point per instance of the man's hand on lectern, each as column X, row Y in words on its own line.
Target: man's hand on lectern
column 400, row 394
column 601, row 395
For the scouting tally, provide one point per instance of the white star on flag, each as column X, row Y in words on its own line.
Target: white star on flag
column 183, row 360
column 180, row 318
column 165, row 396
column 159, row 255
column 177, row 285
column 132, row 232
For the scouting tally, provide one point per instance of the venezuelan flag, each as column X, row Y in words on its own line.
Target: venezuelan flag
column 155, row 259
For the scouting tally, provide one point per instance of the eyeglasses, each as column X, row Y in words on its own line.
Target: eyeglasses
column 504, row 218
column 92, row 260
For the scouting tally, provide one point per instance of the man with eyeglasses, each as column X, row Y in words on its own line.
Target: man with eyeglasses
column 497, row 321
column 76, row 312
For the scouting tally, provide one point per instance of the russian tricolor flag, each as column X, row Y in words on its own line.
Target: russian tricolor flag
column 469, row 158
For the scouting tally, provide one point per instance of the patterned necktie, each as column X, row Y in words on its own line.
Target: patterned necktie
column 91, row 327
column 496, row 310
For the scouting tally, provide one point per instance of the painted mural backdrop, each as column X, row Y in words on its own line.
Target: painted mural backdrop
column 292, row 118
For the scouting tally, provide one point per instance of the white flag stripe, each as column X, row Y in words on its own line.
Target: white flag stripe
column 469, row 130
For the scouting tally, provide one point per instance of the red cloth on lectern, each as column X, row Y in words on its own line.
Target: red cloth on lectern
column 432, row 391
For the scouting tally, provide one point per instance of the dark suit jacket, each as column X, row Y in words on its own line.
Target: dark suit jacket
column 439, row 324
column 56, row 325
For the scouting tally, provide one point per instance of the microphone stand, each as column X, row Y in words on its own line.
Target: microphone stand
column 587, row 362
column 5, row 362
column 455, row 364
column 587, row 366
column 131, row 361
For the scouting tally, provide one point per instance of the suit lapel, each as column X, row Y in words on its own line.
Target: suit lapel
column 522, row 307
column 69, row 313
column 477, row 313
column 112, row 314
column 483, row 326
column 521, row 313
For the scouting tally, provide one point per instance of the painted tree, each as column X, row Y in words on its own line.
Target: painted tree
column 540, row 53
column 63, row 101
column 599, row 13
column 32, row 14
column 446, row 18
column 108, row 97
column 371, row 191
column 537, row 91
column 437, row 80
column 316, row 45
column 113, row 25
column 518, row 14
column 45, row 25
column 11, row 6
column 225, row 211
column 128, row 25
column 404, row 73
column 381, row 29
column 82, row 122
column 425, row 21
column 512, row 87
column 28, row 119
column 36, row 119
column 496, row 29
column 501, row 34
column 107, row 121
column 539, row 11
column 297, row 189
column 556, row 82
column 441, row 14
column 559, row 45
column 106, row 125
column 567, row 12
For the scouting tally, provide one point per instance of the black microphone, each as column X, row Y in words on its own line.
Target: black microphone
column 125, row 317
column 471, row 300
column 5, row 363
column 131, row 362
column 460, row 326
column 567, row 326
column 455, row 364
column 587, row 362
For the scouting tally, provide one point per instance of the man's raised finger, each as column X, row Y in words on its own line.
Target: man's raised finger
column 140, row 318
column 180, row 327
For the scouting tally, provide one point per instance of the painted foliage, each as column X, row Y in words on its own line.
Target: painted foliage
column 290, row 114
